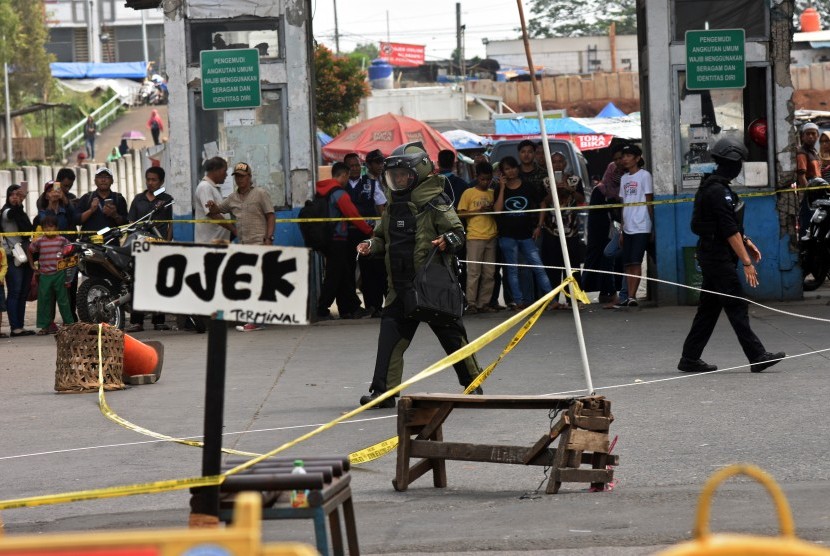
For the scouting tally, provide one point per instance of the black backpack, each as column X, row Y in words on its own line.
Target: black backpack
column 317, row 235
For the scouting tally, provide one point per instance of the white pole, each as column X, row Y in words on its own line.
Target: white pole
column 144, row 39
column 558, row 212
column 9, row 152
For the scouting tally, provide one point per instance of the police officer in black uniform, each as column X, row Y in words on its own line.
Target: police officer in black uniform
column 367, row 195
column 717, row 218
column 418, row 218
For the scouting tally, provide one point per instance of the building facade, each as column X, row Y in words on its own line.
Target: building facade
column 103, row 31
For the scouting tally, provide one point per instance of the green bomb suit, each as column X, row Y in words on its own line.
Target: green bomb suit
column 419, row 208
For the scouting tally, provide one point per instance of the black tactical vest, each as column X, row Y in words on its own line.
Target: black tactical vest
column 363, row 196
column 402, row 227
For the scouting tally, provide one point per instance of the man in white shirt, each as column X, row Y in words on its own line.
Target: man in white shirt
column 216, row 171
column 635, row 187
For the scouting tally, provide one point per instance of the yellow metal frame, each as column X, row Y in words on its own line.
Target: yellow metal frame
column 706, row 544
column 243, row 537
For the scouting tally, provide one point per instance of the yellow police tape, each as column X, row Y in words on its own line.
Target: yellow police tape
column 491, row 213
column 181, row 484
column 115, row 418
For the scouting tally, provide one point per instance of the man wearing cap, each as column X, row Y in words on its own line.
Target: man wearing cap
column 102, row 208
column 808, row 167
column 366, row 193
column 251, row 206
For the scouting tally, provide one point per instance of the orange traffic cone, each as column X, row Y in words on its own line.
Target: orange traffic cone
column 142, row 361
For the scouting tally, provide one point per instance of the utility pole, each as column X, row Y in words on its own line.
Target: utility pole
column 9, row 151
column 458, row 34
column 144, row 41
column 336, row 31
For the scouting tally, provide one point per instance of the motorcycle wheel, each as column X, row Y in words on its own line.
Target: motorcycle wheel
column 93, row 296
column 815, row 268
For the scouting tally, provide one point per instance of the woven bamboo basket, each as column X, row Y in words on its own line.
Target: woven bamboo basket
column 76, row 368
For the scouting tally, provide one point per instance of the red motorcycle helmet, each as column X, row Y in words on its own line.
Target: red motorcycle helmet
column 758, row 132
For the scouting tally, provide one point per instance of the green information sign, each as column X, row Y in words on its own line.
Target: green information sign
column 230, row 79
column 715, row 59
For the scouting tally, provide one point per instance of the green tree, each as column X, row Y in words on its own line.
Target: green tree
column 363, row 54
column 577, row 18
column 24, row 36
column 821, row 6
column 339, row 86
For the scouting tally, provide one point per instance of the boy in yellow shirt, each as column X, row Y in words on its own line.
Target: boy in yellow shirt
column 482, row 237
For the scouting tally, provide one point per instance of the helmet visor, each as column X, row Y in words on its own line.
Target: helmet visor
column 400, row 179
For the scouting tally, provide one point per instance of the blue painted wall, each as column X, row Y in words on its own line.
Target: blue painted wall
column 778, row 274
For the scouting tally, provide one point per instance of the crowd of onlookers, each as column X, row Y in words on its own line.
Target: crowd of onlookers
column 513, row 253
column 32, row 264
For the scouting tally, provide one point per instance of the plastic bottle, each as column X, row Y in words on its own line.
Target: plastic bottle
column 299, row 498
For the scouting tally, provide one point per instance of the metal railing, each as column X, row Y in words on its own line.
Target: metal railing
column 75, row 134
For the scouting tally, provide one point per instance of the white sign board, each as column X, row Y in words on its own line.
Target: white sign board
column 246, row 283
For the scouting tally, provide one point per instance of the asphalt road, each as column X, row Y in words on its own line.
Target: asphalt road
column 282, row 381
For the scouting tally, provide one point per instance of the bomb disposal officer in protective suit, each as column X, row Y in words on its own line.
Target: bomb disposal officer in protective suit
column 417, row 218
column 717, row 218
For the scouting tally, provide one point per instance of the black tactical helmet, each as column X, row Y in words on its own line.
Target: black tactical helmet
column 729, row 149
column 407, row 166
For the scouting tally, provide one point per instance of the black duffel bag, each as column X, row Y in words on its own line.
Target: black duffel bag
column 436, row 296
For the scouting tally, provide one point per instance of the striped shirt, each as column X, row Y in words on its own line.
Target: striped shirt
column 50, row 249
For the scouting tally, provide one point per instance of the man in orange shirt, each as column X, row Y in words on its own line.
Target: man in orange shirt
column 808, row 166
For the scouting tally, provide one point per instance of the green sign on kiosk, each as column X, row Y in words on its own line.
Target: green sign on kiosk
column 230, row 79
column 715, row 59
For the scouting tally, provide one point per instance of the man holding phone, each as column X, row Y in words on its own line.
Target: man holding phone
column 103, row 207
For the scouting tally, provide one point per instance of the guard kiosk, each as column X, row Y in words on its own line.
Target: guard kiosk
column 725, row 66
column 240, row 81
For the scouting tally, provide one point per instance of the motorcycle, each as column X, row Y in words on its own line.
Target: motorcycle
column 107, row 292
column 814, row 242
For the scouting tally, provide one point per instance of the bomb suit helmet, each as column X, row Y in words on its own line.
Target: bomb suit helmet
column 407, row 166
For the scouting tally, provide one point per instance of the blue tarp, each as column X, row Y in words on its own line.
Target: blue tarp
column 323, row 138
column 530, row 126
column 88, row 70
column 610, row 111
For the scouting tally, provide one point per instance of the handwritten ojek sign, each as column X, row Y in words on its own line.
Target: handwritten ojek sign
column 246, row 283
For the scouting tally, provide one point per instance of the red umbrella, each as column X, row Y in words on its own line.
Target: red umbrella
column 386, row 133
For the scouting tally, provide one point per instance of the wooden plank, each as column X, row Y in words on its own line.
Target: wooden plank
column 420, row 416
column 492, row 402
column 419, row 469
column 562, row 89
column 601, row 85
column 599, row 461
column 485, row 453
column 574, row 88
column 613, row 81
column 546, row 440
column 438, row 417
column 588, row 441
column 468, row 452
column 439, row 466
column 559, row 459
column 599, row 424
column 599, row 476
column 401, row 481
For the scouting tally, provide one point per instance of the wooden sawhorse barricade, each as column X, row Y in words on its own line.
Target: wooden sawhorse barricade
column 327, row 480
column 582, row 430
